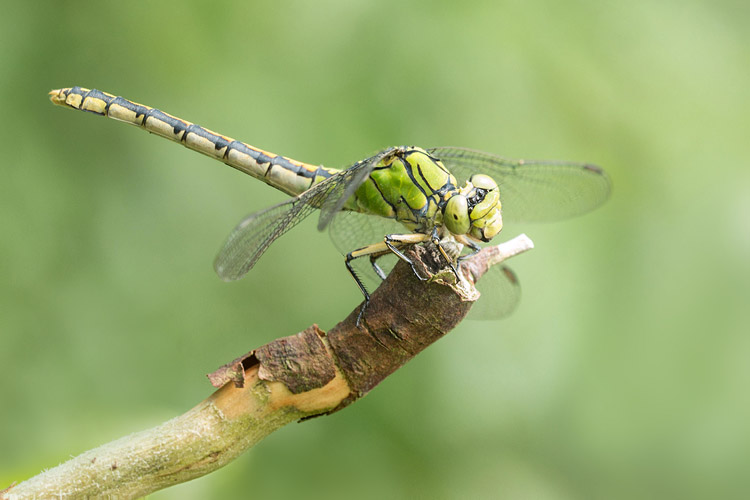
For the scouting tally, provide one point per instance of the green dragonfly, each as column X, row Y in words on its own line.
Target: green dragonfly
column 452, row 197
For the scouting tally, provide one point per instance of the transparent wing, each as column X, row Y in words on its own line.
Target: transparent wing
column 254, row 234
column 532, row 191
column 351, row 179
column 352, row 230
column 366, row 274
column 501, row 293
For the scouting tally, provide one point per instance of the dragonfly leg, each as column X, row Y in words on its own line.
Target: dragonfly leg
column 374, row 263
column 467, row 242
column 436, row 241
column 347, row 262
column 377, row 250
column 374, row 251
column 391, row 240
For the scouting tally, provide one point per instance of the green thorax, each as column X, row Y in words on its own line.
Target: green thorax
column 409, row 186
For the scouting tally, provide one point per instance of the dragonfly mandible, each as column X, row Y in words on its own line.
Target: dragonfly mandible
column 453, row 197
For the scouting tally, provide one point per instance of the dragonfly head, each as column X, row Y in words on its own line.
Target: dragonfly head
column 475, row 209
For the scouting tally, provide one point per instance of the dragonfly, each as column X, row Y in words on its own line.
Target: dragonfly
column 454, row 198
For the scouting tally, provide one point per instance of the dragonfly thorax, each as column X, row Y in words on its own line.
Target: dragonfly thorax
column 408, row 185
column 475, row 209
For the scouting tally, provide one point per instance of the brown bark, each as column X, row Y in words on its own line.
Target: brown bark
column 292, row 378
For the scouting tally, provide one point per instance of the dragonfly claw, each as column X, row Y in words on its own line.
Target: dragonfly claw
column 361, row 312
column 416, row 273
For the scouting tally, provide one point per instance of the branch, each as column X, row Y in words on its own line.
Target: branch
column 290, row 379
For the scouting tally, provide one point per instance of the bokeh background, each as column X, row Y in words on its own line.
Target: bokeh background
column 624, row 373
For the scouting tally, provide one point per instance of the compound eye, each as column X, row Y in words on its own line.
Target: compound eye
column 485, row 182
column 456, row 215
column 489, row 202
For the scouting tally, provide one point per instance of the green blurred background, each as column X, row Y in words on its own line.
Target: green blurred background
column 623, row 374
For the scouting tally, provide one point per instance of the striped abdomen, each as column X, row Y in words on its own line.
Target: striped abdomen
column 283, row 173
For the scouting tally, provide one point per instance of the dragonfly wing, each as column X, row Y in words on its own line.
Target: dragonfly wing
column 349, row 180
column 254, row 234
column 532, row 191
column 352, row 230
column 501, row 293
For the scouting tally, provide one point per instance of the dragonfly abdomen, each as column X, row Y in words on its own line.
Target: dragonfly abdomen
column 291, row 176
